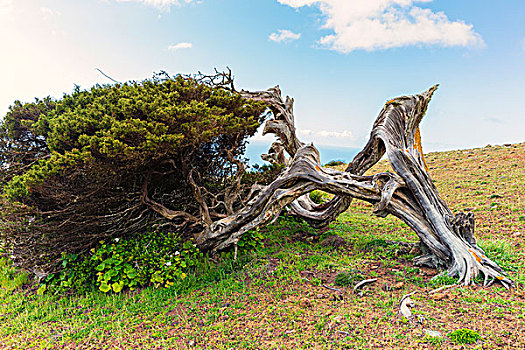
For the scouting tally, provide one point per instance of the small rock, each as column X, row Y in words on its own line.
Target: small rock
column 333, row 241
column 399, row 285
column 438, row 296
column 319, row 296
column 433, row 334
column 305, row 302
column 516, row 234
column 191, row 343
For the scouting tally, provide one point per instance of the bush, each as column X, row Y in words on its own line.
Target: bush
column 151, row 259
column 117, row 159
column 464, row 336
column 335, row 163
column 251, row 240
column 347, row 278
column 319, row 197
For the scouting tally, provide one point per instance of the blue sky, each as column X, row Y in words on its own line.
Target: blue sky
column 340, row 59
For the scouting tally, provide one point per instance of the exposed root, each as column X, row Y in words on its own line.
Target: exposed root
column 470, row 263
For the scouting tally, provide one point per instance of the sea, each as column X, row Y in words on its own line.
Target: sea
column 328, row 153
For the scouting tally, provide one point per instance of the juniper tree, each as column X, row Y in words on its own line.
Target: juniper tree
column 168, row 152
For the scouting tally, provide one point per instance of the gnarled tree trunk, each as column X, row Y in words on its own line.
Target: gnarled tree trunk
column 408, row 194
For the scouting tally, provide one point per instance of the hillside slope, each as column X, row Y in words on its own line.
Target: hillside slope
column 297, row 291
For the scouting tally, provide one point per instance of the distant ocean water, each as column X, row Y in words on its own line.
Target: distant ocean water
column 328, row 153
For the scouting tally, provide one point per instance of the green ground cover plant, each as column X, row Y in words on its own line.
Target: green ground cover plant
column 154, row 258
column 464, row 336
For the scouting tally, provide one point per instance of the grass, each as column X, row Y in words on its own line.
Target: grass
column 11, row 279
column 277, row 297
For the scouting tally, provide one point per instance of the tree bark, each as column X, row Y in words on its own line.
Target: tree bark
column 408, row 193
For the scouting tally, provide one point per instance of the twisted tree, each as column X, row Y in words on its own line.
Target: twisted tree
column 408, row 194
column 168, row 153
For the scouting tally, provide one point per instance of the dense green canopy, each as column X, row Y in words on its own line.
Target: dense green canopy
column 115, row 159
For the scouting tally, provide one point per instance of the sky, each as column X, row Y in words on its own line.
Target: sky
column 339, row 59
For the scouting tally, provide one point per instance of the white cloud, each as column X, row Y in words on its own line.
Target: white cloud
column 284, row 35
column 6, row 8
column 325, row 133
column 382, row 24
column 183, row 45
column 39, row 62
column 160, row 4
column 48, row 13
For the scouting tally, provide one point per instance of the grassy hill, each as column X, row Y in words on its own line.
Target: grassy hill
column 297, row 291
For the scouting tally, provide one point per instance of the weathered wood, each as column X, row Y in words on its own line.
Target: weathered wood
column 408, row 193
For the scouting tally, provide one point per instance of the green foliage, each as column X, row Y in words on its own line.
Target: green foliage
column 442, row 280
column 319, row 197
column 82, row 165
column 263, row 174
column 11, row 278
column 382, row 248
column 464, row 336
column 251, row 240
column 335, row 163
column 293, row 224
column 347, row 278
column 77, row 274
column 436, row 341
column 503, row 253
column 155, row 258
column 131, row 123
column 376, row 242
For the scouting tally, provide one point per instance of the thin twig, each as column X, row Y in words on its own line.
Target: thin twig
column 107, row 76
column 331, row 288
column 443, row 288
